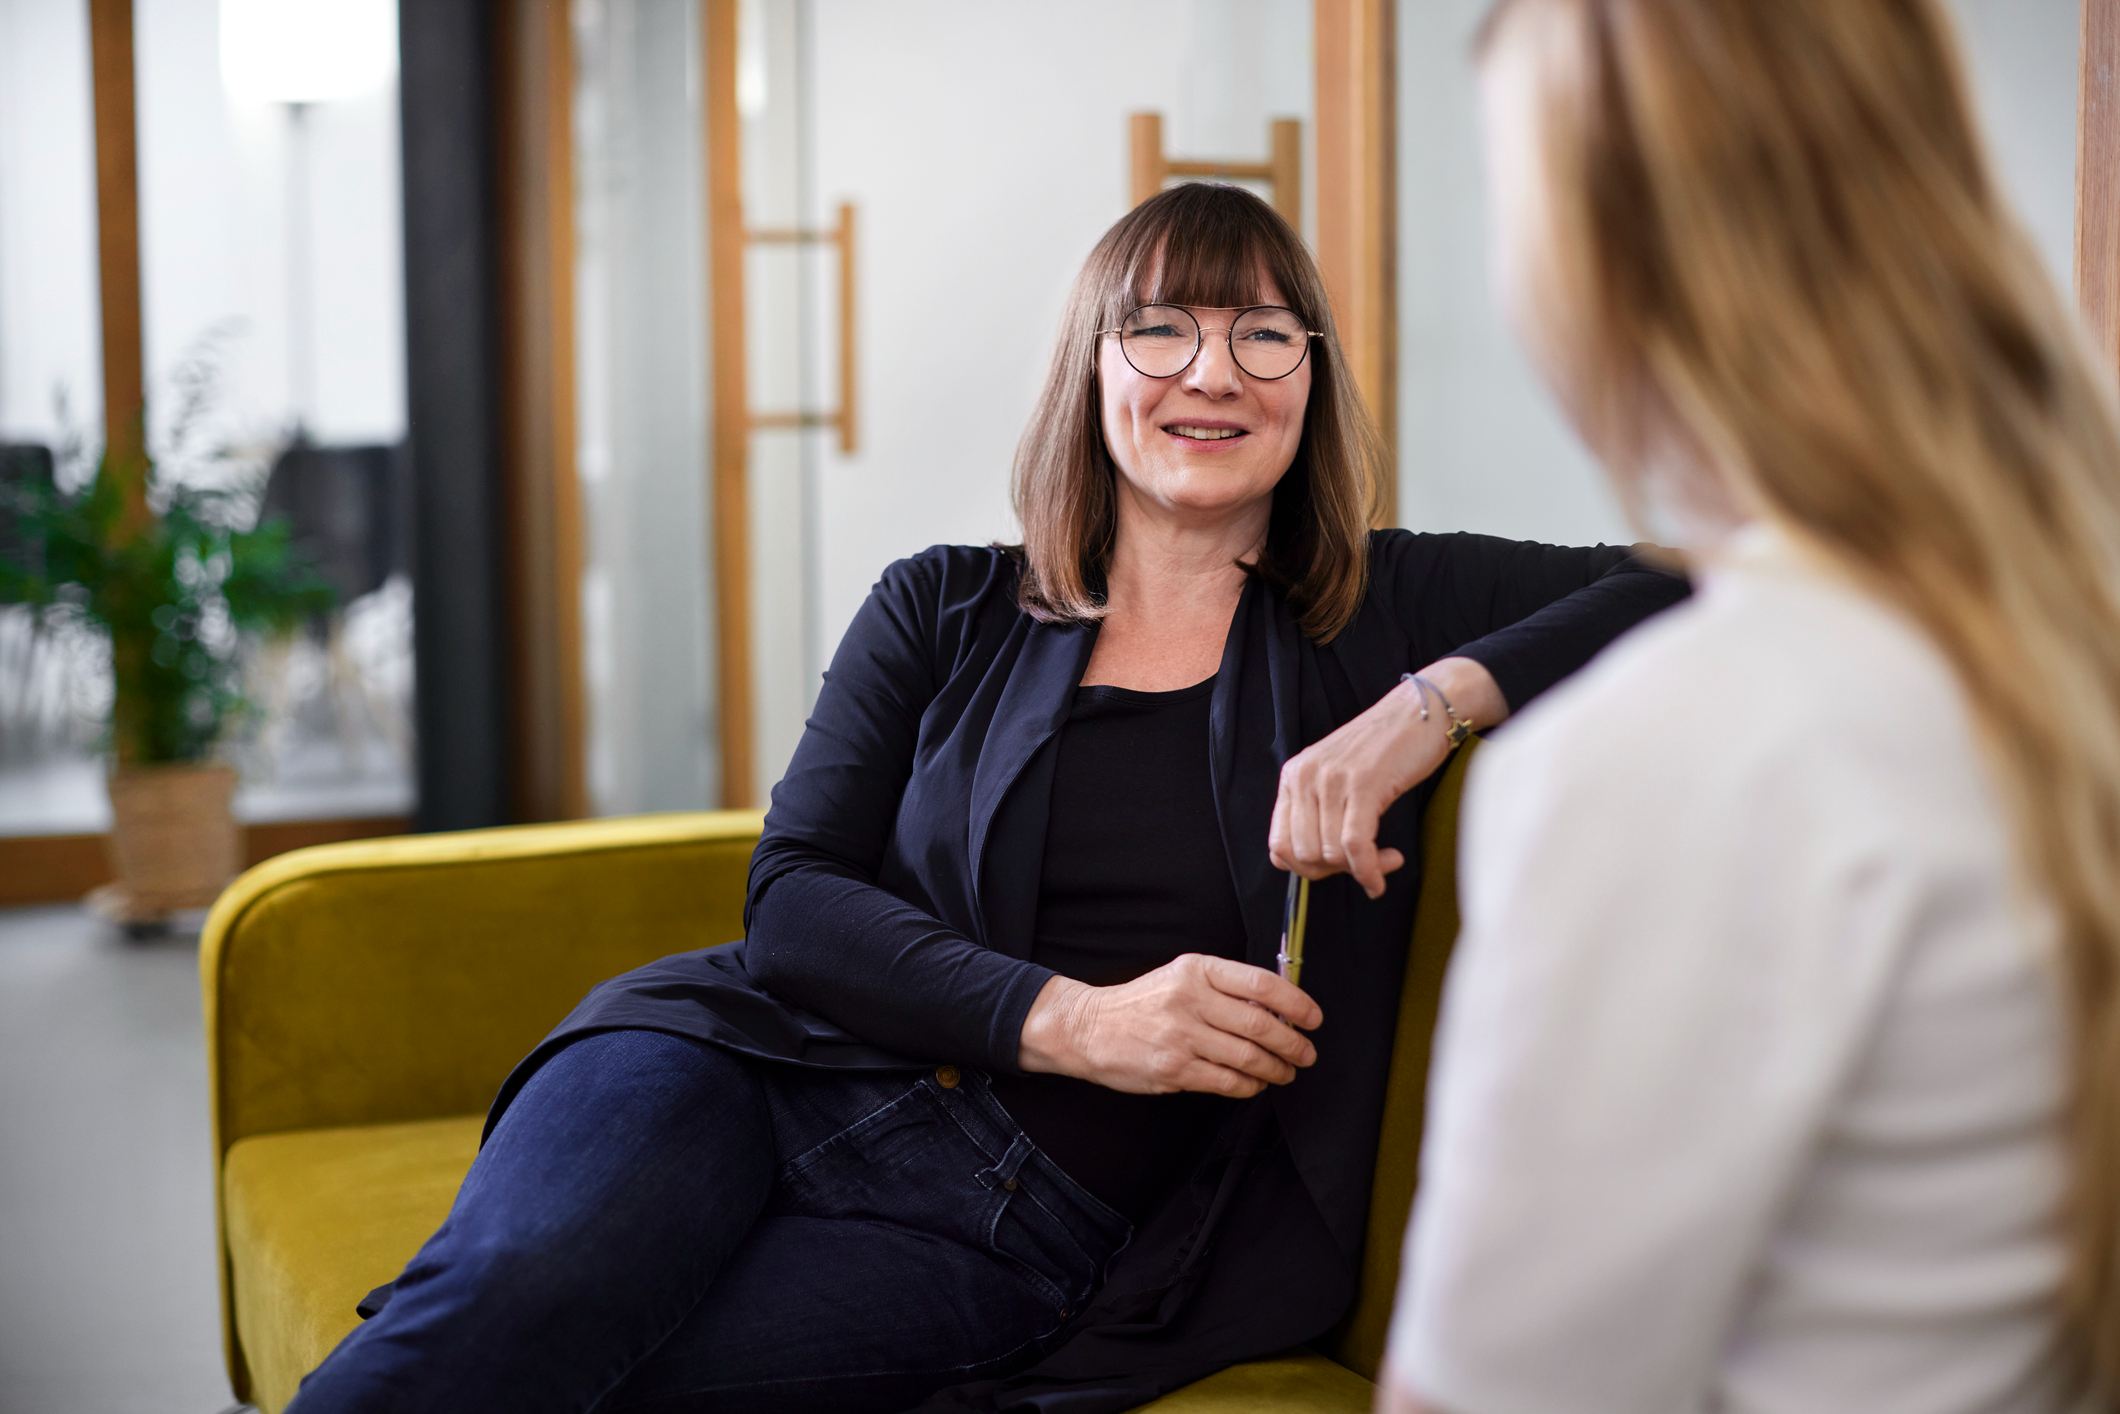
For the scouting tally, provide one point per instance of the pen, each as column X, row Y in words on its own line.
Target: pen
column 1294, row 914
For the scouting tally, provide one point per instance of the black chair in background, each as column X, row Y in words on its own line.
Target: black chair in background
column 349, row 509
column 22, row 464
column 32, row 697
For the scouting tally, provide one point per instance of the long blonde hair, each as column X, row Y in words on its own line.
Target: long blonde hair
column 1204, row 244
column 1768, row 235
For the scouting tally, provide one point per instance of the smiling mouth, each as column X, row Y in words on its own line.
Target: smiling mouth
column 1192, row 433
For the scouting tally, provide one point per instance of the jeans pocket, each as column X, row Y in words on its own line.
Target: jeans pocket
column 898, row 1130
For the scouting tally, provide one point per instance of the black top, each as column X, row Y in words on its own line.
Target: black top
column 1134, row 876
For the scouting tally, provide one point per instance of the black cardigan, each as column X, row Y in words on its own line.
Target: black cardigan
column 891, row 902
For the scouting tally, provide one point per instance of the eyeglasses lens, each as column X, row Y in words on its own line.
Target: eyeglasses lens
column 1159, row 339
column 1269, row 343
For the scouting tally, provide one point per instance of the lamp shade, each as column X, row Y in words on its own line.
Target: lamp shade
column 307, row 51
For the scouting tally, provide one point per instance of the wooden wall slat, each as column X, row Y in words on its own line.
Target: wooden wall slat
column 729, row 432
column 564, row 488
column 1147, row 171
column 1357, row 230
column 1285, row 170
column 2098, row 174
column 110, row 38
column 849, row 334
column 535, row 41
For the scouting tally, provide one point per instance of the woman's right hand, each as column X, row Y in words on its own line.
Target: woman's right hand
column 1210, row 1024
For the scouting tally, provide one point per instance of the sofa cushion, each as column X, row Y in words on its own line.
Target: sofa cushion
column 317, row 1218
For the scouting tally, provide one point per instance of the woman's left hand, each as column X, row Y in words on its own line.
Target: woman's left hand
column 1335, row 792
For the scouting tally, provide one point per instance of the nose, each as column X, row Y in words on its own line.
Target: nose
column 1214, row 370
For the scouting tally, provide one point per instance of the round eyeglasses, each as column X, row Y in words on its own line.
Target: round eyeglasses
column 1267, row 341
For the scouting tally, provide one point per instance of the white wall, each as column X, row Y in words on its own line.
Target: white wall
column 1482, row 447
column 986, row 147
column 2024, row 55
column 50, row 338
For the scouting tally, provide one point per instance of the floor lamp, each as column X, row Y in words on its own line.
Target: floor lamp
column 296, row 54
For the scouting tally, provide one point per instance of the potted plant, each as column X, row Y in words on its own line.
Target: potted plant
column 173, row 575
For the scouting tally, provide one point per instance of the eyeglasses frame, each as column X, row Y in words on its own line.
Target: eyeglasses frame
column 1200, row 333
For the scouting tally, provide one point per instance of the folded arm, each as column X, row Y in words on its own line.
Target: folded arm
column 1530, row 614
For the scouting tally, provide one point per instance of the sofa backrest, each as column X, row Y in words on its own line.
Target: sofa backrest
column 380, row 981
column 1358, row 1341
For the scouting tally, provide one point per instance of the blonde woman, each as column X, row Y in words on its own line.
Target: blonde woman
column 1780, row 1069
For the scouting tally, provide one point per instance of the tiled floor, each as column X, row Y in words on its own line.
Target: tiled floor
column 107, row 1300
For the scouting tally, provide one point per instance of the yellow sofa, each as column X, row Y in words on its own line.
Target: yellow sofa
column 363, row 1002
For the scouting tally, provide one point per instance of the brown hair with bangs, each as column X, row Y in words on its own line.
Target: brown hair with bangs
column 1212, row 246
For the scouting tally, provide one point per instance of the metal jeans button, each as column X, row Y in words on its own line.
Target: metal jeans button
column 1009, row 1184
column 947, row 1077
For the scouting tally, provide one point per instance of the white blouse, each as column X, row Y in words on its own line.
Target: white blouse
column 1750, row 1070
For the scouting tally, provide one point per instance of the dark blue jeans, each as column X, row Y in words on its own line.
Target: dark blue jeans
column 657, row 1224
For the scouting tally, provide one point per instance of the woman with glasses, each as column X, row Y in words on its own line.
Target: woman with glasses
column 1001, row 1100
column 1779, row 1068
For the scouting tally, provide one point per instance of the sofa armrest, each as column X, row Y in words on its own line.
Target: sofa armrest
column 1359, row 1340
column 400, row 979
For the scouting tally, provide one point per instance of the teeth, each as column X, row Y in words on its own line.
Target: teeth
column 1208, row 434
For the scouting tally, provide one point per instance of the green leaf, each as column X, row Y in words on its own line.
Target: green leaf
column 155, row 593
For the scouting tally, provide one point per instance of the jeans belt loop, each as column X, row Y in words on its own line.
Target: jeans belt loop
column 1003, row 1173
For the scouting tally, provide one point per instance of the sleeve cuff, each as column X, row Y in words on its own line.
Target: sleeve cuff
column 1517, row 680
column 1005, row 1039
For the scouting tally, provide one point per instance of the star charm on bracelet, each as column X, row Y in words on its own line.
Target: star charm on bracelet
column 1459, row 728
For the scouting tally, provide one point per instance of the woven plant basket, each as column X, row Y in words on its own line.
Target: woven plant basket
column 173, row 837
